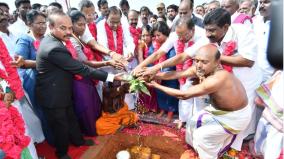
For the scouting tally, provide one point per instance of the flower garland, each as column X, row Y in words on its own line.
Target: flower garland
column 93, row 29
column 12, row 132
column 36, row 44
column 228, row 51
column 73, row 53
column 135, row 34
column 119, row 39
column 10, row 74
column 91, row 54
column 187, row 63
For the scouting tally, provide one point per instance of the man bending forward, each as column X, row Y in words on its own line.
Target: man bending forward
column 212, row 131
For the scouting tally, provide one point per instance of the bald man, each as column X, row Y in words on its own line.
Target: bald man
column 212, row 130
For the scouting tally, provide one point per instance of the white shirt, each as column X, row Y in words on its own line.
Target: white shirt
column 19, row 27
column 171, row 42
column 128, row 44
column 10, row 42
column 169, row 23
column 247, row 48
column 261, row 30
column 87, row 36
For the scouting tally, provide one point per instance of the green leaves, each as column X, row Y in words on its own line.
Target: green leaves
column 137, row 85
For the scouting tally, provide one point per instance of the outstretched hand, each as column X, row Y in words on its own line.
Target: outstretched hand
column 120, row 77
column 9, row 99
column 138, row 71
column 118, row 57
column 152, row 84
column 130, row 57
column 18, row 61
column 150, row 71
column 116, row 64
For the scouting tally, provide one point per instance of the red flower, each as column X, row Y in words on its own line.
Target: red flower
column 93, row 29
column 87, row 50
column 187, row 63
column 228, row 51
column 10, row 74
column 119, row 39
column 12, row 132
column 36, row 44
column 135, row 33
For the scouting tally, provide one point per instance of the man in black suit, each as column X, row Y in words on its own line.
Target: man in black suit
column 56, row 68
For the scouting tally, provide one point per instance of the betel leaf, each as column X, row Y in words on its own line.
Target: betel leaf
column 137, row 85
column 145, row 90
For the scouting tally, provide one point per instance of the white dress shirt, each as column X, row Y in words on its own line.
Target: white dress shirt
column 10, row 42
column 261, row 30
column 19, row 27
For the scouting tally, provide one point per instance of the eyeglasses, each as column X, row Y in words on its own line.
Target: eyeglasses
column 160, row 9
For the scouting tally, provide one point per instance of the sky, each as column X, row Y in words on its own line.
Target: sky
column 134, row 4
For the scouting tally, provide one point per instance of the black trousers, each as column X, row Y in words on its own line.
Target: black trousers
column 64, row 127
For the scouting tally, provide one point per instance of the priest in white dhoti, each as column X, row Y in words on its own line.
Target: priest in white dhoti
column 112, row 35
column 212, row 130
column 237, row 45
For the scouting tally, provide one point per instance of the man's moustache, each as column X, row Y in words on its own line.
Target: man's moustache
column 261, row 9
column 2, row 20
column 67, row 36
column 211, row 37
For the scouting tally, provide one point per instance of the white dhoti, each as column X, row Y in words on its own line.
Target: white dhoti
column 189, row 107
column 211, row 132
column 32, row 124
column 250, row 79
column 268, row 140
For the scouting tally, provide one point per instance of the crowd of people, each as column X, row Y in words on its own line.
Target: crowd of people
column 64, row 72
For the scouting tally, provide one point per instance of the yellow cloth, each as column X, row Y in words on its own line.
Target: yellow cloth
column 110, row 123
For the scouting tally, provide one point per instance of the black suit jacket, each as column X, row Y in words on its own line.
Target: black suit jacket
column 56, row 69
